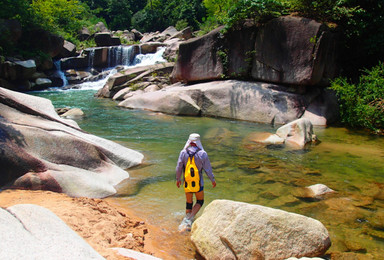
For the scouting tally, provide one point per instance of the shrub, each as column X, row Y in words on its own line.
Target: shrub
column 362, row 104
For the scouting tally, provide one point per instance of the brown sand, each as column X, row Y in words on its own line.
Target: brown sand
column 100, row 223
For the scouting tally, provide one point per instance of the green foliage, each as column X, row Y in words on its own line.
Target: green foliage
column 120, row 14
column 16, row 9
column 159, row 14
column 230, row 12
column 361, row 24
column 258, row 10
column 181, row 24
column 63, row 16
column 362, row 104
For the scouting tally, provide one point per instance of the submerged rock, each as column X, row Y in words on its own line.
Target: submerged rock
column 297, row 133
column 319, row 190
column 237, row 230
column 73, row 112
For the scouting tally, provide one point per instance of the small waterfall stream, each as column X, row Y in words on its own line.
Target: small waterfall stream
column 57, row 64
column 120, row 55
column 117, row 56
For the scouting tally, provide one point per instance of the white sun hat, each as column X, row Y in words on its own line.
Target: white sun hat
column 194, row 138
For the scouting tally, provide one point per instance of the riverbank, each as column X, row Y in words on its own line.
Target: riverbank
column 101, row 223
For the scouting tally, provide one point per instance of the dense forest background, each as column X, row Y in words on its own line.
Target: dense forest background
column 359, row 23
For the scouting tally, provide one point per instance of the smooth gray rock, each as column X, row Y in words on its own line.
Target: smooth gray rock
column 237, row 230
column 40, row 150
column 297, row 133
column 251, row 101
column 33, row 232
column 294, row 50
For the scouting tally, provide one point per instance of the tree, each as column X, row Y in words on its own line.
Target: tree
column 119, row 14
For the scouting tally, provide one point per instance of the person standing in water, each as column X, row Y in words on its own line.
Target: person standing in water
column 190, row 165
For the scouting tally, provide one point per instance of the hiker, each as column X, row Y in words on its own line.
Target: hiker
column 192, row 161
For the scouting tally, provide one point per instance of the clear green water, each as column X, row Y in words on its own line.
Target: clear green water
column 350, row 163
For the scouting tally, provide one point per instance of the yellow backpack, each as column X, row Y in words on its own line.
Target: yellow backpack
column 191, row 176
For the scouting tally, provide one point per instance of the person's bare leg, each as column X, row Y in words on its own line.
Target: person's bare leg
column 199, row 196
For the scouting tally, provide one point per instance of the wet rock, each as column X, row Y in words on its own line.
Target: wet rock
column 350, row 256
column 266, row 138
column 42, row 83
column 377, row 221
column 103, row 39
column 297, row 133
column 315, row 192
column 68, row 50
column 73, row 113
column 319, row 190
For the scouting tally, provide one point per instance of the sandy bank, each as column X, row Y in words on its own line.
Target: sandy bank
column 100, row 223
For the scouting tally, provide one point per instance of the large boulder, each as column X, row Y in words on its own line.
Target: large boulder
column 297, row 133
column 287, row 51
column 68, row 50
column 236, row 230
column 40, row 150
column 18, row 70
column 78, row 62
column 199, row 59
column 294, row 50
column 33, row 232
column 103, row 39
column 250, row 101
column 238, row 50
column 122, row 79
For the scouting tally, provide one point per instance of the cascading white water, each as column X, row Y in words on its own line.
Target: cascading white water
column 119, row 55
column 150, row 58
column 91, row 57
column 60, row 72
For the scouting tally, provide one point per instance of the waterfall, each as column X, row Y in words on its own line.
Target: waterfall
column 150, row 58
column 57, row 64
column 91, row 57
column 120, row 55
column 117, row 55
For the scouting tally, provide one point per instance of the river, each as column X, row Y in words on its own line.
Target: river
column 347, row 161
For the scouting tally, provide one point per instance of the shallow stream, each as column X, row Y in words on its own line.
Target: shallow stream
column 348, row 162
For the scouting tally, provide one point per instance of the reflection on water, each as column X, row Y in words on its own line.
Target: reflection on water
column 348, row 162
